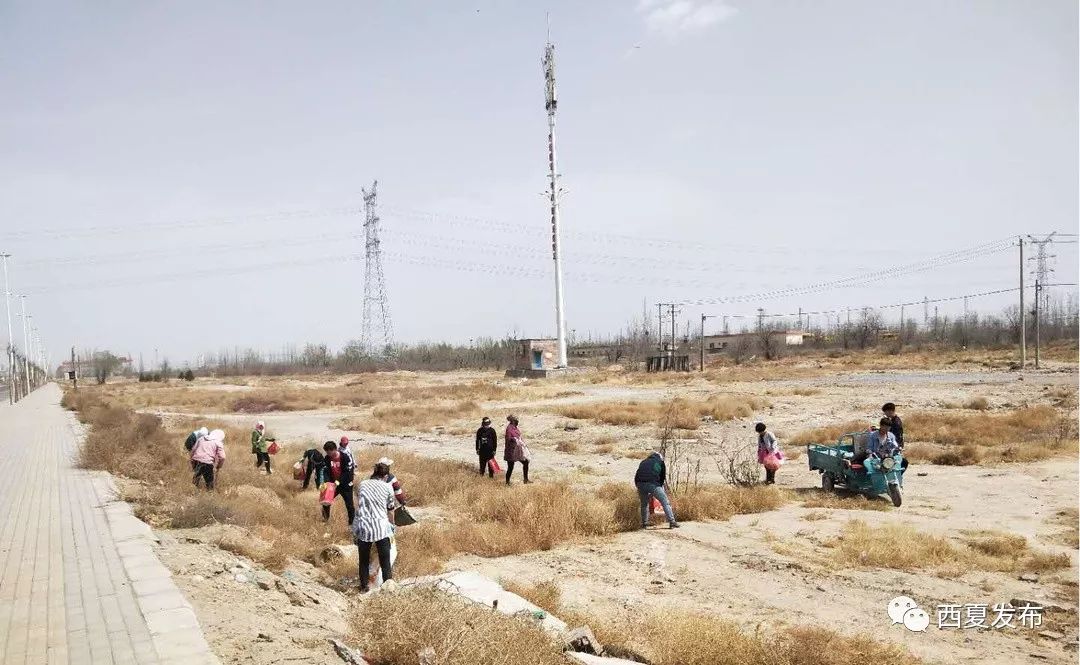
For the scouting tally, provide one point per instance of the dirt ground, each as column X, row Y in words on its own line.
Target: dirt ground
column 761, row 570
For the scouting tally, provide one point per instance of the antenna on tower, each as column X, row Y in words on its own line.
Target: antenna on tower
column 377, row 335
column 554, row 192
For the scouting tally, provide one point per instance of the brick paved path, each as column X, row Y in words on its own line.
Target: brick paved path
column 79, row 580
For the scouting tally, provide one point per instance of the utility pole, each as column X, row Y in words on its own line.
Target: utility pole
column 74, row 371
column 10, row 339
column 674, row 344
column 660, row 325
column 703, row 317
column 760, row 318
column 925, row 312
column 1023, row 314
column 550, row 105
column 1038, row 318
column 901, row 323
column 800, row 319
column 26, row 347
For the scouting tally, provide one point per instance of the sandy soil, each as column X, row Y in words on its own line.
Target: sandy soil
column 752, row 568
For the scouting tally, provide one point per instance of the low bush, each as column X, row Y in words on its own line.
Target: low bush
column 679, row 413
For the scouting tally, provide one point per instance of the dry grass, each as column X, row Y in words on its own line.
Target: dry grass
column 681, row 637
column 392, row 627
column 568, row 447
column 1070, row 519
column 409, row 417
column 545, row 595
column 680, row 413
column 1022, row 435
column 637, row 454
column 827, row 434
column 816, row 515
column 821, row 499
column 283, row 395
column 977, row 404
column 605, row 449
column 282, row 522
column 901, row 547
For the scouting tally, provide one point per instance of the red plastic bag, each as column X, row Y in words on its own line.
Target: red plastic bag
column 493, row 466
column 298, row 471
column 773, row 461
column 273, row 448
column 655, row 507
column 329, row 492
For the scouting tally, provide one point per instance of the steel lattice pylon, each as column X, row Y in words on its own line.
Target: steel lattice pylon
column 377, row 336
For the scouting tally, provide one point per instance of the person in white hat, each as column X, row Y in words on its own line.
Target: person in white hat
column 399, row 493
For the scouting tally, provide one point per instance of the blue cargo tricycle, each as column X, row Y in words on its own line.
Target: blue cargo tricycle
column 875, row 476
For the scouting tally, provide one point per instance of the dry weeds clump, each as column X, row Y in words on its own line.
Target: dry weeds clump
column 681, row 413
column 901, row 547
column 391, row 627
column 567, row 447
column 1021, row 435
column 829, row 434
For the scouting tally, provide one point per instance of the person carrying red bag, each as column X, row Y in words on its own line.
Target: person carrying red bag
column 339, row 470
column 769, row 454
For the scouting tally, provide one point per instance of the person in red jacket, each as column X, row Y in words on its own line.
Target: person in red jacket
column 338, row 469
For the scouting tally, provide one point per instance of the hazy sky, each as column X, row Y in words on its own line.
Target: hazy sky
column 186, row 176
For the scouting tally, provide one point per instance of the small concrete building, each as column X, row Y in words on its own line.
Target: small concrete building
column 535, row 358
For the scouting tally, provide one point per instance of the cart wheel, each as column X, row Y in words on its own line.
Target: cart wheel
column 894, row 494
column 827, row 483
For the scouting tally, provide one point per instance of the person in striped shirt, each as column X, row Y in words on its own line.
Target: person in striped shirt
column 374, row 523
column 399, row 492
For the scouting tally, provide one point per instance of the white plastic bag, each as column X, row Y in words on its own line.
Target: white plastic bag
column 375, row 570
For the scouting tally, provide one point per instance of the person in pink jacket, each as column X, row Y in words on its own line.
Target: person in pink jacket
column 207, row 457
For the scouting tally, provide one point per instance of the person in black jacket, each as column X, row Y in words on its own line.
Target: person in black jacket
column 313, row 458
column 649, row 479
column 487, row 442
column 896, row 426
column 338, row 469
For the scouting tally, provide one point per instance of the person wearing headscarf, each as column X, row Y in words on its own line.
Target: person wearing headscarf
column 514, row 449
column 487, row 442
column 190, row 442
column 260, row 446
column 395, row 484
column 207, row 457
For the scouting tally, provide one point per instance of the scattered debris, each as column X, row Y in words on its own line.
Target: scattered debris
column 264, row 585
column 582, row 640
column 426, row 656
column 263, row 637
column 346, row 654
column 1029, row 577
column 1052, row 635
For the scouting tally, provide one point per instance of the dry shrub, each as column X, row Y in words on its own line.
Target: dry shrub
column 684, row 638
column 815, row 515
column 391, row 627
column 827, row 434
column 678, row 413
column 977, row 404
column 545, row 595
column 848, row 501
column 604, row 449
column 637, row 454
column 567, row 447
column 605, row 440
column 720, row 502
column 902, row 547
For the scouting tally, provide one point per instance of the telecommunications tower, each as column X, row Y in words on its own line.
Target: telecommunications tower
column 554, row 193
column 377, row 336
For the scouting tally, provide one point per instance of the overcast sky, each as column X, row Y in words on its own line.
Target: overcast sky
column 186, row 176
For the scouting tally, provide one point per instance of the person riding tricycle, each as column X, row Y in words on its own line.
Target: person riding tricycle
column 867, row 462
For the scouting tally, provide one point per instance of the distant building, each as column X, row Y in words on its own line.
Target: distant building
column 722, row 342
column 535, row 357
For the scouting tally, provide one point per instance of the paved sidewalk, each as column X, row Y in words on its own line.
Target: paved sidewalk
column 79, row 580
